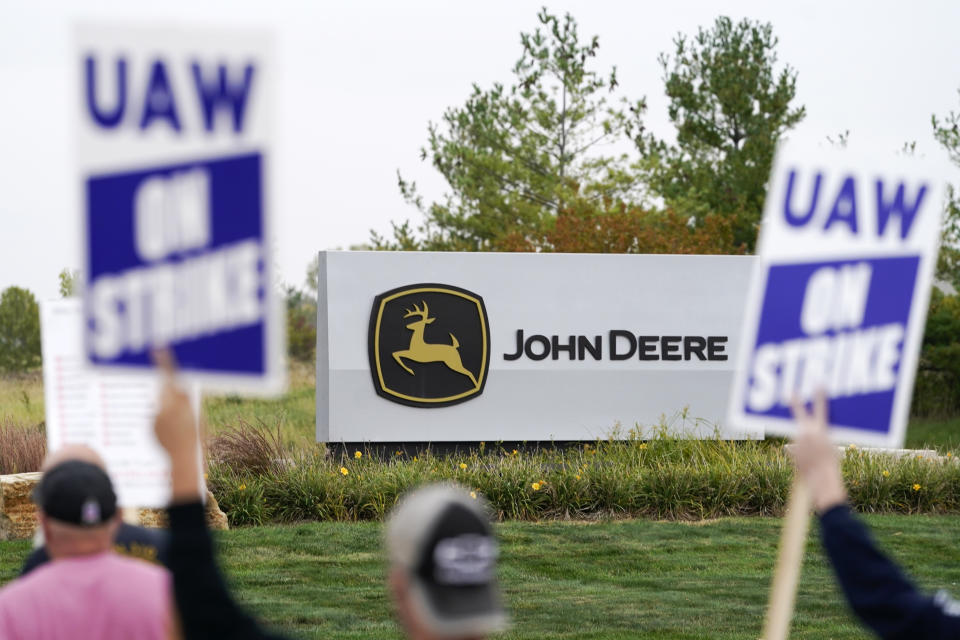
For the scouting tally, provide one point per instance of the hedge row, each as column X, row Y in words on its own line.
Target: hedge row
column 660, row 478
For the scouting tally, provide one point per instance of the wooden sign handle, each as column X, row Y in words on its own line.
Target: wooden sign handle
column 793, row 539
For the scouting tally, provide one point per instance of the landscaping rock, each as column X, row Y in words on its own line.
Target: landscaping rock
column 157, row 518
column 18, row 517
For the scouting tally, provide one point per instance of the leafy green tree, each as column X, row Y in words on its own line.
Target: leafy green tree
column 729, row 107
column 301, row 325
column 69, row 279
column 513, row 157
column 947, row 132
column 937, row 389
column 302, row 315
column 19, row 330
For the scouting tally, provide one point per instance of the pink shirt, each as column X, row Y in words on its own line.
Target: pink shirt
column 103, row 596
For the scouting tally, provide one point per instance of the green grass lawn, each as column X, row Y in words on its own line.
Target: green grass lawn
column 294, row 411
column 623, row 579
column 931, row 433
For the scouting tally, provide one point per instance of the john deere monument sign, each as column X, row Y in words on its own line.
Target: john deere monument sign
column 445, row 347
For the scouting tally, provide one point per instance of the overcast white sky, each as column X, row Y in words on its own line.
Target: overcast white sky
column 360, row 81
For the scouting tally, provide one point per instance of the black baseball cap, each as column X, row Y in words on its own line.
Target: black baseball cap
column 77, row 493
column 442, row 538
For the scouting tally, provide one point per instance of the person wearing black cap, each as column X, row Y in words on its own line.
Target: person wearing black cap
column 441, row 548
column 87, row 590
column 131, row 540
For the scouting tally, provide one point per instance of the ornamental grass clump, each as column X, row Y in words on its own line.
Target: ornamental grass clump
column 22, row 447
column 249, row 447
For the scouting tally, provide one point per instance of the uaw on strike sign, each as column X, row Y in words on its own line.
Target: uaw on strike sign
column 839, row 293
column 174, row 157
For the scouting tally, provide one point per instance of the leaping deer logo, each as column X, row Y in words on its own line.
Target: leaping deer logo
column 421, row 351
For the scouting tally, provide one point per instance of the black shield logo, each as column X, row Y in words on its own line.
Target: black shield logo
column 429, row 345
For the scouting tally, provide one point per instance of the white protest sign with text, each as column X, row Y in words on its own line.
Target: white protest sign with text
column 111, row 413
column 839, row 292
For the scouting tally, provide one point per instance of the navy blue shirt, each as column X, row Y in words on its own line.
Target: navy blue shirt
column 206, row 608
column 136, row 542
column 878, row 592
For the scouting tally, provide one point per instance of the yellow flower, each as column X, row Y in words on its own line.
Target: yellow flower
column 949, row 455
column 852, row 447
column 535, row 486
column 399, row 453
column 514, row 452
column 242, row 487
column 414, row 458
column 577, row 477
column 917, row 487
column 344, row 471
column 357, row 455
column 473, row 494
column 919, row 457
column 886, row 474
column 463, row 465
column 643, row 445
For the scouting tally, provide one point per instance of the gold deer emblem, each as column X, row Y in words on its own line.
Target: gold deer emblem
column 421, row 351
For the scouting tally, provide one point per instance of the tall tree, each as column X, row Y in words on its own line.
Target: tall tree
column 19, row 330
column 69, row 279
column 513, row 157
column 729, row 107
column 947, row 132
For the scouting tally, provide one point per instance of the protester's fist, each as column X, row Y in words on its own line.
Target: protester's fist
column 174, row 425
column 815, row 456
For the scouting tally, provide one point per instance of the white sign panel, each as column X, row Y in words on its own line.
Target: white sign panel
column 174, row 153
column 111, row 413
column 436, row 347
column 839, row 293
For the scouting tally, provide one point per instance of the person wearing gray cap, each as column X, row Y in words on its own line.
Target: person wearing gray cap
column 439, row 540
column 443, row 560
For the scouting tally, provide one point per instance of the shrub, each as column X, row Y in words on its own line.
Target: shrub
column 937, row 390
column 19, row 330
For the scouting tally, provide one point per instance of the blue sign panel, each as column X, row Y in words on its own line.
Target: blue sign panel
column 175, row 256
column 836, row 325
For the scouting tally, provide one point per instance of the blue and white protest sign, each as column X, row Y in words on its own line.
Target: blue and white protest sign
column 839, row 292
column 174, row 154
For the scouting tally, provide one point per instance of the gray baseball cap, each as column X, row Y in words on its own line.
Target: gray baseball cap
column 443, row 539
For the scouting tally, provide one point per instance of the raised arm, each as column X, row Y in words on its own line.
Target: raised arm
column 878, row 592
column 206, row 608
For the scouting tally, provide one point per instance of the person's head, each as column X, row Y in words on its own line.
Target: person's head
column 76, row 504
column 67, row 452
column 442, row 555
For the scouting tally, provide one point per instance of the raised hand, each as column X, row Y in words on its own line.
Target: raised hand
column 175, row 426
column 815, row 456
